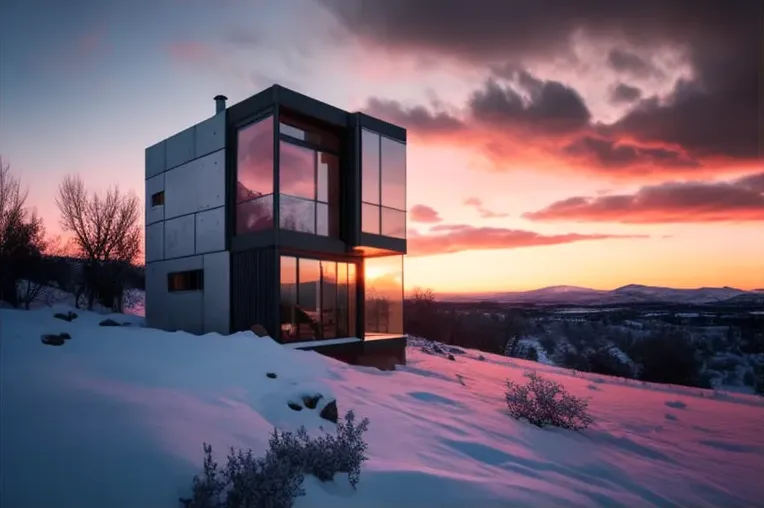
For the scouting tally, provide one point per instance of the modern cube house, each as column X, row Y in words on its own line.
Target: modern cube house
column 284, row 213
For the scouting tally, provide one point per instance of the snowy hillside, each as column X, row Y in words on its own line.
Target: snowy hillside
column 116, row 417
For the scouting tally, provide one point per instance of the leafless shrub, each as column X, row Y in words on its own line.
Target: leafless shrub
column 545, row 402
column 106, row 235
column 21, row 237
column 29, row 291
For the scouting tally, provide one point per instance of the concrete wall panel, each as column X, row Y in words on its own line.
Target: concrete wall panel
column 184, row 311
column 155, row 159
column 179, row 237
column 154, row 243
column 173, row 311
column 210, row 230
column 156, row 289
column 180, row 190
column 210, row 179
column 210, row 135
column 180, row 148
column 183, row 265
column 217, row 296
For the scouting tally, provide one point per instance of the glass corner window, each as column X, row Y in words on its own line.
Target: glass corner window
column 254, row 177
column 383, row 177
column 254, row 160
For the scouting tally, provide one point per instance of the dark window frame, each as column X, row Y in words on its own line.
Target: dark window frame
column 184, row 281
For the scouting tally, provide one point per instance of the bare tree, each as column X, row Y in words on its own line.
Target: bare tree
column 106, row 235
column 21, row 237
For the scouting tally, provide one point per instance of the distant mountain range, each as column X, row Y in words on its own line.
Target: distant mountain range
column 630, row 294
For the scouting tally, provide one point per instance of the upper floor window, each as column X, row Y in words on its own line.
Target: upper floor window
column 383, row 175
column 308, row 190
column 254, row 177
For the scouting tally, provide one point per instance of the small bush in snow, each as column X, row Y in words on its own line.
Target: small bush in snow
column 545, row 402
column 344, row 452
column 275, row 480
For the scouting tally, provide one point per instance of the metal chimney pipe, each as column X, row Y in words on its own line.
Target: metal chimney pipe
column 220, row 103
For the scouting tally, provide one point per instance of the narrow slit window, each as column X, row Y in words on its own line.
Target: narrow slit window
column 192, row 280
column 157, row 199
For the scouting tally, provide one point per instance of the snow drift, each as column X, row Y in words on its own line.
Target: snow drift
column 117, row 416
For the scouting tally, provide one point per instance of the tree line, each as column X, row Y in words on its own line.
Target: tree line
column 657, row 352
column 98, row 260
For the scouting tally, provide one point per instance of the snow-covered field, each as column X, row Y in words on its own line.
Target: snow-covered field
column 116, row 418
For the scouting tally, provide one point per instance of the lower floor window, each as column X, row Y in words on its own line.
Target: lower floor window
column 383, row 295
column 318, row 299
column 191, row 280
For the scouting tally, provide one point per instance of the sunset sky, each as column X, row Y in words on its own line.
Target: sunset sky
column 594, row 143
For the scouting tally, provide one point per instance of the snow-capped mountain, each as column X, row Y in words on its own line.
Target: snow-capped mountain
column 632, row 293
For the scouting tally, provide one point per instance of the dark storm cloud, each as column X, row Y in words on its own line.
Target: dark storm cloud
column 716, row 115
column 418, row 118
column 548, row 107
column 552, row 107
column 613, row 154
column 623, row 93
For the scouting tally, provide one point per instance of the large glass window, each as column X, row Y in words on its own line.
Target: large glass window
column 343, row 295
column 254, row 177
column 393, row 174
column 383, row 161
column 329, row 298
column 384, row 295
column 370, row 167
column 297, row 214
column 309, row 190
column 352, row 300
column 297, row 171
column 317, row 299
column 288, row 299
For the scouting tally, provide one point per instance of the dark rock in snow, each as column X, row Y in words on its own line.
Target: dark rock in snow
column 53, row 339
column 451, row 357
column 271, row 375
column 294, row 405
column 69, row 316
column 108, row 322
column 65, row 336
column 329, row 413
column 311, row 401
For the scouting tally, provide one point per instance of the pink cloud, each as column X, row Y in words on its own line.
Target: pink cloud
column 451, row 238
column 423, row 213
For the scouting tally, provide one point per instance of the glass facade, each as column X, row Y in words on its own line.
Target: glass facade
column 254, row 177
column 383, row 195
column 384, row 295
column 317, row 299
